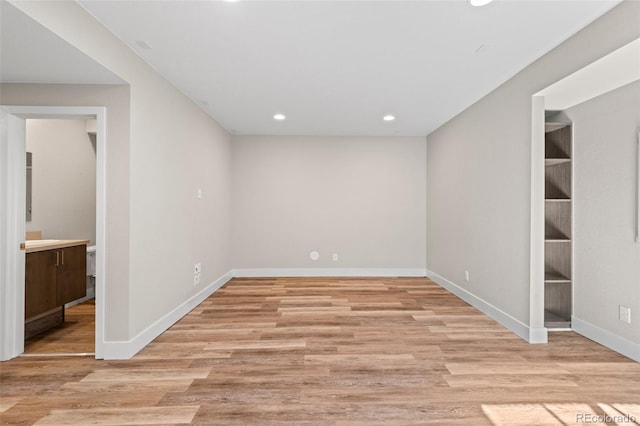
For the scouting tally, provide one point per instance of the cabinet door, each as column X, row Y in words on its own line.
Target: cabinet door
column 40, row 283
column 72, row 274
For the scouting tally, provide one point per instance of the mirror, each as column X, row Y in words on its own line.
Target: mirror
column 29, row 164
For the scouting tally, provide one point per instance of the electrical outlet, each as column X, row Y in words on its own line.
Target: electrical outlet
column 197, row 269
column 466, row 276
column 625, row 314
column 335, row 257
column 199, row 193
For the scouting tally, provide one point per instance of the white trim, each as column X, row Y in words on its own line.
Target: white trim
column 572, row 198
column 606, row 338
column 531, row 335
column 12, row 233
column 638, row 194
column 538, row 335
column 426, row 201
column 101, row 230
column 329, row 272
column 127, row 349
column 12, row 223
column 536, row 230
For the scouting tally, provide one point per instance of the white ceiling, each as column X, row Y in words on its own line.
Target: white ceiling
column 29, row 53
column 332, row 67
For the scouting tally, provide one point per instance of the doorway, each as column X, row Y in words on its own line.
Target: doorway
column 61, row 206
column 613, row 71
column 13, row 213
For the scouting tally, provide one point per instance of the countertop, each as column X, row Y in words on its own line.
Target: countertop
column 32, row 246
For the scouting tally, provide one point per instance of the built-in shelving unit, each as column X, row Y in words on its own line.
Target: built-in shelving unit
column 558, row 229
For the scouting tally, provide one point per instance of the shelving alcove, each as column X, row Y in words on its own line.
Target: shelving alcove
column 558, row 226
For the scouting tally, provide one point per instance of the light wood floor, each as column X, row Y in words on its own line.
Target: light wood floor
column 76, row 335
column 330, row 351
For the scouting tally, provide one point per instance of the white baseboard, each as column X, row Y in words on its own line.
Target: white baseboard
column 127, row 349
column 329, row 272
column 538, row 335
column 511, row 323
column 606, row 338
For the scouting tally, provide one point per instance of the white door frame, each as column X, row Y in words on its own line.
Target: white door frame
column 12, row 219
column 537, row 330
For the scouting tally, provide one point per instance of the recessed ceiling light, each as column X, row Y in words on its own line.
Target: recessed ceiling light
column 388, row 117
column 479, row 2
column 279, row 117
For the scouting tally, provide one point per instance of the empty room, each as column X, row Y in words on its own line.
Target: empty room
column 319, row 212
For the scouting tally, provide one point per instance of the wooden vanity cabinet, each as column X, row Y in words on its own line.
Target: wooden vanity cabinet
column 40, row 277
column 71, row 278
column 53, row 278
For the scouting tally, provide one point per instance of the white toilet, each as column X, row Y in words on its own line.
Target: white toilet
column 91, row 278
column 91, row 271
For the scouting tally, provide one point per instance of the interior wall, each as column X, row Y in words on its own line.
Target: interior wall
column 174, row 150
column 64, row 179
column 606, row 257
column 479, row 167
column 360, row 197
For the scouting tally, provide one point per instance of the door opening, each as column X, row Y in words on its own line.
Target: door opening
column 60, row 225
column 13, row 224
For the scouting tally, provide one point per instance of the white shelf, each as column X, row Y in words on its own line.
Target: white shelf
column 554, row 321
column 550, row 277
column 554, row 161
column 553, row 126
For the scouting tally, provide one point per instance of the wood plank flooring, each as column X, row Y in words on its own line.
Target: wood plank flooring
column 330, row 351
column 75, row 335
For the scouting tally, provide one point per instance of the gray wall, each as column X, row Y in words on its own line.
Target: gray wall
column 606, row 259
column 360, row 197
column 64, row 179
column 479, row 165
column 174, row 149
